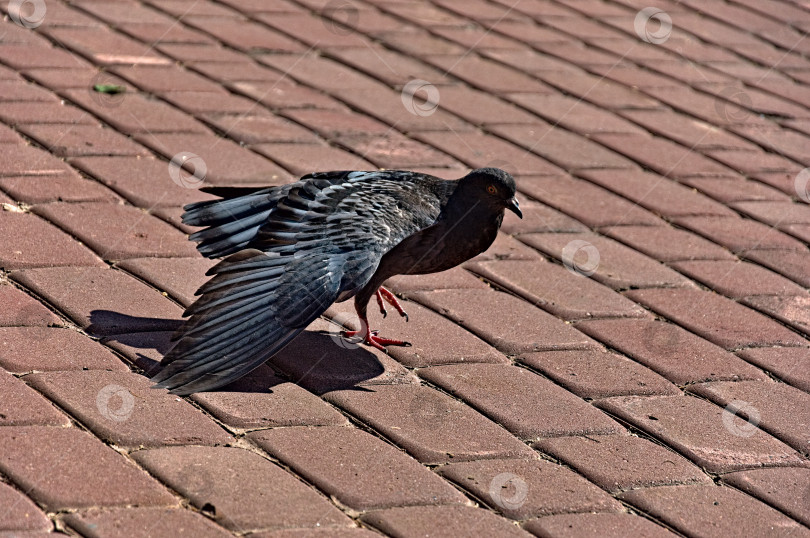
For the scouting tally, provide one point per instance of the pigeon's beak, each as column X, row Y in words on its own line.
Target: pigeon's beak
column 513, row 206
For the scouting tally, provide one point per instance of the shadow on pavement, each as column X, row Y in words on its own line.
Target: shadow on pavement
column 319, row 361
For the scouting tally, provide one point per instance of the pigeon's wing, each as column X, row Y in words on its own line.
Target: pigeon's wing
column 320, row 242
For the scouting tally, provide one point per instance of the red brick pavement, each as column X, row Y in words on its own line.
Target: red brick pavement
column 632, row 358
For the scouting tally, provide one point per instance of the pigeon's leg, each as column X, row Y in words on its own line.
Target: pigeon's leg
column 391, row 299
column 370, row 337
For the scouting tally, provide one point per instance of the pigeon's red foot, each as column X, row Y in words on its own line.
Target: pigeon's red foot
column 385, row 296
column 370, row 338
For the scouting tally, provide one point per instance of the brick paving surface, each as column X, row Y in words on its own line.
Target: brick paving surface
column 631, row 358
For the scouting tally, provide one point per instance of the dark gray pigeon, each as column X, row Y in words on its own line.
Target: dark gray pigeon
column 294, row 250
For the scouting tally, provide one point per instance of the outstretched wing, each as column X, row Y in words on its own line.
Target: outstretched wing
column 321, row 240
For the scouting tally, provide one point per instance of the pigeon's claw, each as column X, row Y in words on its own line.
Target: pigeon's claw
column 381, row 304
column 391, row 299
column 370, row 338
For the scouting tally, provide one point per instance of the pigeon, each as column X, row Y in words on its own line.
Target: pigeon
column 293, row 250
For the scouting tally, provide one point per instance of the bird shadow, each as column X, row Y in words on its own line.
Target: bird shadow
column 319, row 361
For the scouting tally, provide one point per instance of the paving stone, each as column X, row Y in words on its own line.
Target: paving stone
column 370, row 473
column 799, row 231
column 563, row 293
column 481, row 108
column 792, row 264
column 59, row 188
column 20, row 310
column 23, row 91
column 598, row 373
column 61, row 78
column 117, row 231
column 102, row 301
column 285, row 94
column 179, row 277
column 574, row 114
column 263, row 400
column 204, row 102
column 539, row 217
column 739, row 235
column 240, row 488
column 782, row 181
column 623, row 462
column 431, row 426
column 143, row 349
column 245, row 35
column 563, row 148
column 617, row 266
column 668, row 244
column 660, row 195
column 480, row 150
column 395, row 151
column 506, row 247
column 764, row 404
column 719, row 320
column 162, row 79
column 391, row 67
column 706, row 434
column 792, row 311
column 317, row 533
column 20, row 513
column 22, row 406
column 260, row 126
column 434, row 338
column 163, row 33
column 587, row 202
column 23, row 349
column 71, row 140
column 523, row 402
column 51, row 465
column 123, row 409
column 387, row 105
column 521, row 489
column 687, row 131
column 24, row 56
column 143, row 522
column 32, row 242
column 738, row 279
column 713, row 511
column 670, row 159
column 605, row 525
column 787, row 363
column 455, row 278
column 303, row 159
column 144, row 181
column 22, row 160
column 225, row 161
column 131, row 112
column 508, row 323
column 442, row 522
column 192, row 52
column 669, row 350
column 776, row 213
column 321, row 360
column 786, row 488
column 244, row 69
column 734, row 189
column 23, row 112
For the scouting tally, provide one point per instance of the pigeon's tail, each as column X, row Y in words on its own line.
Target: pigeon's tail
column 230, row 223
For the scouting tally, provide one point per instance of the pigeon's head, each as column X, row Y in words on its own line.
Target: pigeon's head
column 494, row 187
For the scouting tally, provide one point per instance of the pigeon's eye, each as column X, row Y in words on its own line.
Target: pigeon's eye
column 491, row 189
